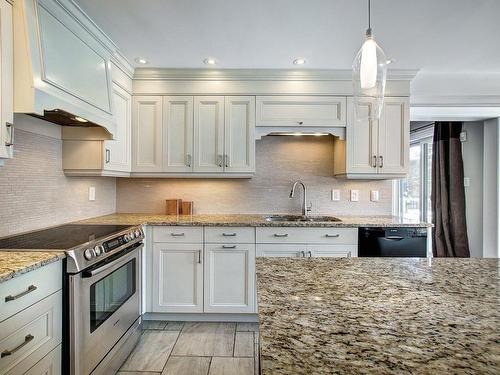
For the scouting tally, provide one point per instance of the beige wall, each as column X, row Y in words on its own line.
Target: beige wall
column 280, row 161
column 34, row 193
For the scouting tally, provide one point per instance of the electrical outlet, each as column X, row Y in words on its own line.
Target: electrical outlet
column 91, row 193
column 466, row 181
column 463, row 136
column 354, row 195
column 374, row 195
column 335, row 194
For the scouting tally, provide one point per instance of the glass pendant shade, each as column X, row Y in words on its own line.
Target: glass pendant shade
column 369, row 72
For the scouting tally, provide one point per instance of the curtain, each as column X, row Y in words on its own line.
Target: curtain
column 449, row 235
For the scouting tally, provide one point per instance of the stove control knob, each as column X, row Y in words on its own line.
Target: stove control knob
column 131, row 235
column 88, row 254
column 126, row 238
column 99, row 250
column 137, row 233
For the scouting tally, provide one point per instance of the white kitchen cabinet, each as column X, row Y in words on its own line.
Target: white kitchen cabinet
column 229, row 278
column 375, row 149
column 48, row 365
column 281, row 250
column 178, row 133
column 6, row 82
column 147, row 132
column 332, row 251
column 301, row 111
column 117, row 153
column 239, row 134
column 208, row 134
column 177, row 277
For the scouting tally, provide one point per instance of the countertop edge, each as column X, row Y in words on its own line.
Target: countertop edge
column 30, row 266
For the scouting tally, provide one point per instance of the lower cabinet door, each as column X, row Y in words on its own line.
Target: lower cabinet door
column 230, row 278
column 48, row 365
column 177, row 277
column 332, row 251
column 281, row 250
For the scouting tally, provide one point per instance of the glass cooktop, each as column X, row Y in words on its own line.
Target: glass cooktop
column 62, row 237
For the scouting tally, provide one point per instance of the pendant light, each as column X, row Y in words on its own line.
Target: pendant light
column 369, row 71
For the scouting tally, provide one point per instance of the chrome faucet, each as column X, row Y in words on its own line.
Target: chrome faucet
column 305, row 208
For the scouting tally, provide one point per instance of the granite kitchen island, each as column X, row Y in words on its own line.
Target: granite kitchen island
column 379, row 316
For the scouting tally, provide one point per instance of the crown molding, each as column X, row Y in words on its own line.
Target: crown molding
column 168, row 74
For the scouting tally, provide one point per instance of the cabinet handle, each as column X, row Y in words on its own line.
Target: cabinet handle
column 229, row 234
column 332, row 235
column 10, row 126
column 381, row 162
column 374, row 165
column 280, row 235
column 177, row 234
column 199, row 256
column 27, row 339
column 108, row 155
column 229, row 246
column 303, row 254
column 310, row 254
column 188, row 160
column 300, row 122
column 226, row 160
column 220, row 161
column 30, row 289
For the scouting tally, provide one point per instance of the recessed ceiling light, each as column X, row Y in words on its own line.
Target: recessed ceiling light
column 80, row 119
column 299, row 61
column 209, row 61
column 141, row 60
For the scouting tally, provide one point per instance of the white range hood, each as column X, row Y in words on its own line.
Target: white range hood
column 62, row 66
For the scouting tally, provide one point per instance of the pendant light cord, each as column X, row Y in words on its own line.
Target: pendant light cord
column 369, row 14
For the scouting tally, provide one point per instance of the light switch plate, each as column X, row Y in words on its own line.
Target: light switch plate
column 466, row 181
column 354, row 195
column 335, row 194
column 463, row 136
column 91, row 193
column 374, row 195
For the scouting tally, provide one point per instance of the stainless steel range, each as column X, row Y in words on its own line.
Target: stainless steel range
column 102, row 290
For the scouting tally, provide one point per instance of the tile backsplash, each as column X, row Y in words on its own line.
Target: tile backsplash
column 36, row 194
column 279, row 161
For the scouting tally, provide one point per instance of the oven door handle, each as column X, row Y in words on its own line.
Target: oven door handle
column 99, row 270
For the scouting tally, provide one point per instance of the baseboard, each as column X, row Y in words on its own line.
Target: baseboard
column 202, row 317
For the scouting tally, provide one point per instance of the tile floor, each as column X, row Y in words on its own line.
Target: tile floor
column 194, row 348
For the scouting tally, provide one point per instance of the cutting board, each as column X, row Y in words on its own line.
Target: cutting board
column 186, row 208
column 173, row 206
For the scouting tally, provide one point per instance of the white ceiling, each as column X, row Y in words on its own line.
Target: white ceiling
column 449, row 38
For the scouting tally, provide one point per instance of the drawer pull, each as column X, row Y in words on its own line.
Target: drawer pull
column 30, row 289
column 332, row 235
column 302, row 254
column 27, row 339
column 229, row 234
column 177, row 234
column 280, row 235
column 229, row 246
column 199, row 256
column 310, row 254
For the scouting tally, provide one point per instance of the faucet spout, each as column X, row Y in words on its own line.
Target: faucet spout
column 305, row 207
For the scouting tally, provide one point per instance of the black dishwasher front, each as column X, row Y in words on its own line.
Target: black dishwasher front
column 392, row 242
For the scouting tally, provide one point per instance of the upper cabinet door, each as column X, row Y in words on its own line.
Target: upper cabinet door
column 301, row 111
column 361, row 138
column 208, row 150
column 147, row 149
column 6, row 80
column 178, row 133
column 117, row 153
column 394, row 137
column 239, row 134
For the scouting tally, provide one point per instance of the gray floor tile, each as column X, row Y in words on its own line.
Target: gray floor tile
column 154, row 324
column 247, row 327
column 187, row 366
column 174, row 326
column 243, row 344
column 137, row 373
column 231, row 366
column 152, row 351
column 206, row 339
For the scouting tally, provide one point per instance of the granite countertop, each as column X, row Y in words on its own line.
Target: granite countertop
column 249, row 220
column 14, row 263
column 379, row 315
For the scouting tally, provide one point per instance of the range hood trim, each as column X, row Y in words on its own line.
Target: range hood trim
column 336, row 131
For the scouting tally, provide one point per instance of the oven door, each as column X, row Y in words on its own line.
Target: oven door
column 104, row 302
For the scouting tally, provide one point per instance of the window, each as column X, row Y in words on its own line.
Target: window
column 414, row 192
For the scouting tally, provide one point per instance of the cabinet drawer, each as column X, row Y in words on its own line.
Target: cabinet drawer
column 25, row 290
column 307, row 235
column 332, row 251
column 281, row 250
column 230, row 235
column 48, row 365
column 31, row 334
column 177, row 234
column 301, row 111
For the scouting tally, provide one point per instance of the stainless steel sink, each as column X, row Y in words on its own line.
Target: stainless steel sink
column 301, row 218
